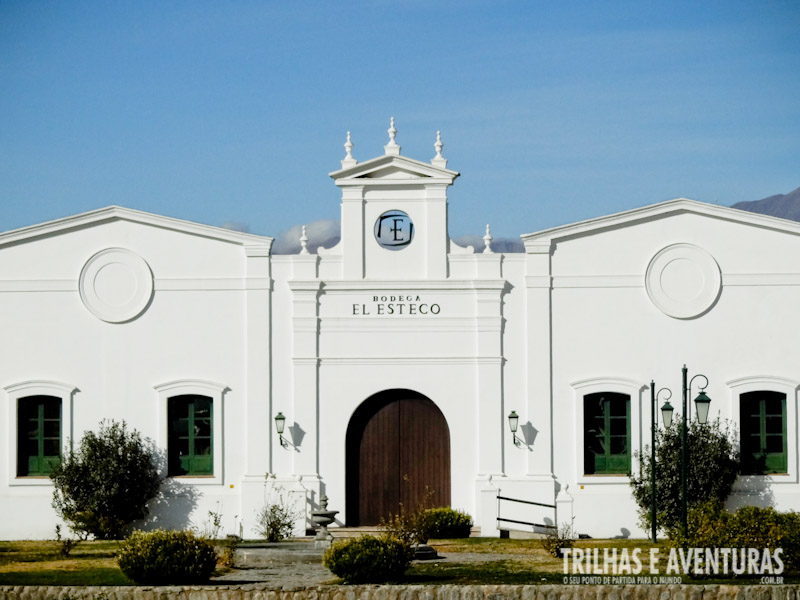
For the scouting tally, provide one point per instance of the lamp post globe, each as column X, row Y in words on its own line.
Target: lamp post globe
column 701, row 404
column 280, row 422
column 666, row 414
column 513, row 421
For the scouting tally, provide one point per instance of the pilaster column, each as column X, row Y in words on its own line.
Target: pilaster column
column 489, row 352
column 257, row 334
column 304, row 435
column 436, row 231
column 539, row 404
column 258, row 365
column 353, row 232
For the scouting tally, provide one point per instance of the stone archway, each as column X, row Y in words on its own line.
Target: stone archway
column 398, row 450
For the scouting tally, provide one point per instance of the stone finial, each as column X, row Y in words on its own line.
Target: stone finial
column 487, row 240
column 392, row 147
column 439, row 160
column 303, row 241
column 349, row 161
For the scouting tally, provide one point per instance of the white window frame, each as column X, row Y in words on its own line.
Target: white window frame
column 39, row 387
column 584, row 387
column 199, row 387
column 756, row 383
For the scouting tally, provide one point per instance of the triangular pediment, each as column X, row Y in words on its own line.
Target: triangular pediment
column 111, row 214
column 392, row 172
column 392, row 168
column 659, row 211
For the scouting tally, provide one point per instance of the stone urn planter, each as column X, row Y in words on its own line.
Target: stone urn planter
column 322, row 518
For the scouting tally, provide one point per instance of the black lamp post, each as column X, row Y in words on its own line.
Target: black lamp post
column 702, row 403
column 666, row 412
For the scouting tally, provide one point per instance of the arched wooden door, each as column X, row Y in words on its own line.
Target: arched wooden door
column 398, row 450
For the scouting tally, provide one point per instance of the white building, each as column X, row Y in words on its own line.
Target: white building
column 395, row 356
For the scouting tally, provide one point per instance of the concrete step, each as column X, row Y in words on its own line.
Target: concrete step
column 350, row 532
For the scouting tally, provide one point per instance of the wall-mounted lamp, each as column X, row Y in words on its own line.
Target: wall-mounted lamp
column 513, row 423
column 280, row 423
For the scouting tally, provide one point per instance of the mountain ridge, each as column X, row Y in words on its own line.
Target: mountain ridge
column 785, row 206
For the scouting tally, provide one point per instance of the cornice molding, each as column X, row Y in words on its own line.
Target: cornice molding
column 252, row 243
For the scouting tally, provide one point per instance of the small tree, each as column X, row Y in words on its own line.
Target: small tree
column 105, row 485
column 712, row 466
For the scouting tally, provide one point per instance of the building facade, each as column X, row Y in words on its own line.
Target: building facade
column 396, row 356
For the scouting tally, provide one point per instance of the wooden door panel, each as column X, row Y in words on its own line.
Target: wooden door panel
column 424, row 454
column 403, row 450
column 378, row 465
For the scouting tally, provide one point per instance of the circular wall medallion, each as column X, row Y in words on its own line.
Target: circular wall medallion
column 683, row 281
column 116, row 285
column 394, row 230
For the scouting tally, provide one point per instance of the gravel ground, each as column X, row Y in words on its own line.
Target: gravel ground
column 300, row 564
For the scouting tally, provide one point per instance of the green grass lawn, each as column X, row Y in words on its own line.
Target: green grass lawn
column 506, row 561
column 40, row 563
column 525, row 561
column 517, row 561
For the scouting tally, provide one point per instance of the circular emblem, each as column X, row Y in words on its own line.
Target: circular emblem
column 394, row 230
column 683, row 281
column 116, row 285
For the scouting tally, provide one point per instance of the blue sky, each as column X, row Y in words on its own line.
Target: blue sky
column 236, row 111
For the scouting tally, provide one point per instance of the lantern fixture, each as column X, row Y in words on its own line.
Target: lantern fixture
column 666, row 414
column 701, row 403
column 513, row 424
column 280, row 423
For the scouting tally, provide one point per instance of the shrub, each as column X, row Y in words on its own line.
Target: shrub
column 711, row 472
column 275, row 520
column 556, row 539
column 369, row 559
column 411, row 526
column 709, row 525
column 227, row 553
column 790, row 542
column 446, row 523
column 408, row 528
column 67, row 544
column 105, row 485
column 166, row 557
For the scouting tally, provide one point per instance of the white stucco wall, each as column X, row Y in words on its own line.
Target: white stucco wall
column 304, row 335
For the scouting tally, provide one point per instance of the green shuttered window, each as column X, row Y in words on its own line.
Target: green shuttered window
column 607, row 433
column 763, row 429
column 190, row 445
column 38, row 435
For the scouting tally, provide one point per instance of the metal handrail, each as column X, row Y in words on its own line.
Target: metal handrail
column 525, row 501
column 527, row 523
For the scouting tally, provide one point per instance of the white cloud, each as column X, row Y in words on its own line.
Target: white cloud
column 327, row 232
column 498, row 244
column 324, row 232
column 236, row 226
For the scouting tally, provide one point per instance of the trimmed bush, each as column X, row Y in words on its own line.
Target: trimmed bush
column 711, row 526
column 167, row 557
column 447, row 523
column 369, row 559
